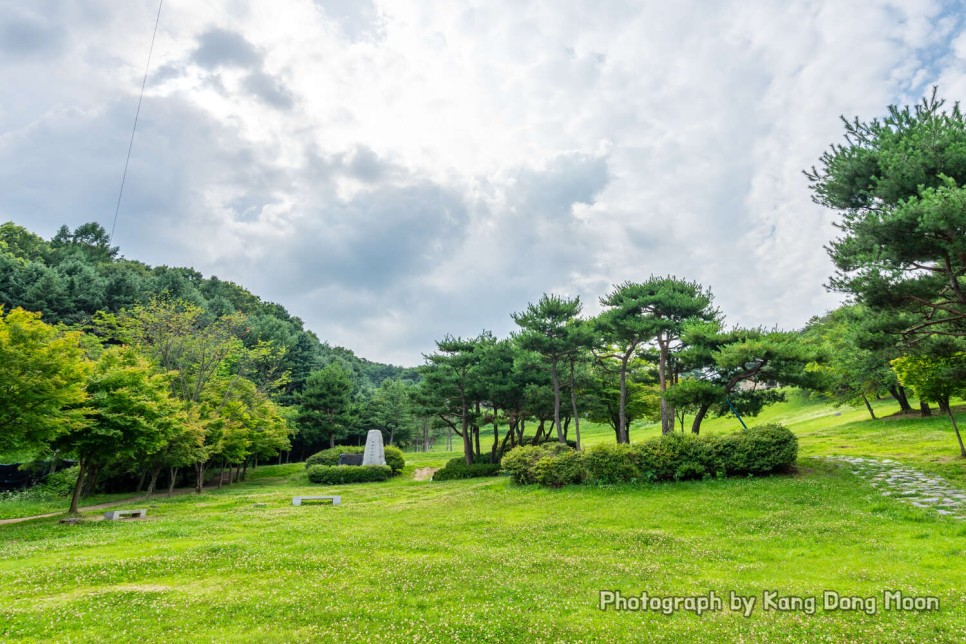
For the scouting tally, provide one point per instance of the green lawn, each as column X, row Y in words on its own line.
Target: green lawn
column 485, row 560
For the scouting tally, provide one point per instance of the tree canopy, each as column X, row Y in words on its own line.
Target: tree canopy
column 899, row 186
column 43, row 372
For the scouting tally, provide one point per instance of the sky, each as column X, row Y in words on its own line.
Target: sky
column 395, row 171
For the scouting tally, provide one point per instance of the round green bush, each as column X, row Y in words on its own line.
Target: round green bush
column 395, row 459
column 765, row 449
column 342, row 474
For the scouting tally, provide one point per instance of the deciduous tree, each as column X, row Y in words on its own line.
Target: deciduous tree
column 43, row 374
column 130, row 413
column 936, row 378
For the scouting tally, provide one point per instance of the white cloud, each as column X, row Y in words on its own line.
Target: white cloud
column 392, row 171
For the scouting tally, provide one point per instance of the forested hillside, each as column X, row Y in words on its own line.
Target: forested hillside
column 71, row 277
column 238, row 359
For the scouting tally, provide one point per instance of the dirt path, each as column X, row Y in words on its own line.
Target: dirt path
column 102, row 506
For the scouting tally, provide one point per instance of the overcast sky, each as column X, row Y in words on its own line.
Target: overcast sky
column 393, row 171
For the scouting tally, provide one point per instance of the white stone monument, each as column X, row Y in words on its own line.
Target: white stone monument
column 375, row 453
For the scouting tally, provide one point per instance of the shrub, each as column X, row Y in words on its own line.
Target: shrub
column 486, row 458
column 764, row 449
column 565, row 468
column 675, row 457
column 62, row 482
column 342, row 474
column 519, row 461
column 457, row 468
column 394, row 459
column 331, row 456
column 612, row 464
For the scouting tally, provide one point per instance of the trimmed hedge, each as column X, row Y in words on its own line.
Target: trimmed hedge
column 331, row 456
column 675, row 457
column 457, row 469
column 341, row 474
column 394, row 456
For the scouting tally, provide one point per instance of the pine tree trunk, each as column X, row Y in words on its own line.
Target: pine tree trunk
column 868, row 406
column 698, row 418
column 667, row 418
column 496, row 438
column 622, row 405
column 573, row 405
column 509, row 436
column 899, row 393
column 539, row 435
column 943, row 405
column 904, row 399
column 555, row 380
column 952, row 419
column 465, row 426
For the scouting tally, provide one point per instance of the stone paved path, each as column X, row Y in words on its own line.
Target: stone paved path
column 909, row 485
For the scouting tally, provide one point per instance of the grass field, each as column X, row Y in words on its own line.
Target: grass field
column 485, row 560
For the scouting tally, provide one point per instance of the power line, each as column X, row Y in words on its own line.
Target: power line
column 130, row 146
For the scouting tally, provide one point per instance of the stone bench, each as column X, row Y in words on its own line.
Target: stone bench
column 297, row 500
column 113, row 515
